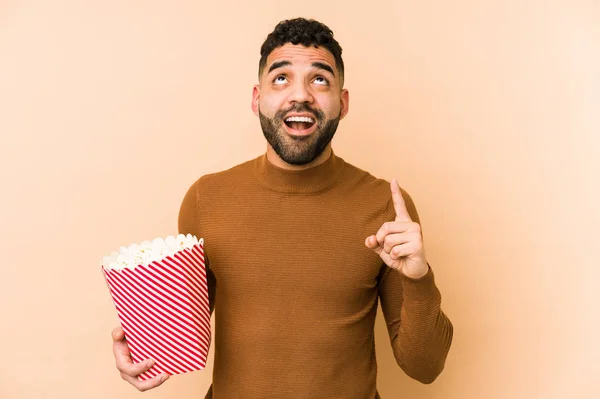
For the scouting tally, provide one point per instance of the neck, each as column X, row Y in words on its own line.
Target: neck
column 277, row 161
column 311, row 179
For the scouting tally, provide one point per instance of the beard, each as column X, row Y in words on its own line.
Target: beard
column 298, row 150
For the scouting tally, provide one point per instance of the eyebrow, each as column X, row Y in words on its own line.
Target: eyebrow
column 278, row 64
column 319, row 65
column 324, row 66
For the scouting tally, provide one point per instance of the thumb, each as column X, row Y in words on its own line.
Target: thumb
column 118, row 334
column 371, row 242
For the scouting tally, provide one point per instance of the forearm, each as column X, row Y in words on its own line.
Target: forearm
column 424, row 335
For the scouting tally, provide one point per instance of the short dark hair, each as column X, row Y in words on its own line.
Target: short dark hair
column 307, row 32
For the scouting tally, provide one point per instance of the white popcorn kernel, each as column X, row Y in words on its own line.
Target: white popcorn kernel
column 149, row 251
column 171, row 242
column 181, row 242
column 159, row 243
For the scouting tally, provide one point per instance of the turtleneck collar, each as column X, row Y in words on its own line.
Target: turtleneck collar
column 309, row 180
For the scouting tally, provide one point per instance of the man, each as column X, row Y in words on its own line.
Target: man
column 301, row 246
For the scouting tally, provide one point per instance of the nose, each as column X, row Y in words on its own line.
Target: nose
column 301, row 93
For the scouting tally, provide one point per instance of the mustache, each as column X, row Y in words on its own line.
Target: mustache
column 299, row 107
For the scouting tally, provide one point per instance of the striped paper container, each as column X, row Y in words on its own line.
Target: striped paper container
column 163, row 309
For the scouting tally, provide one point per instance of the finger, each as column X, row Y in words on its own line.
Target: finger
column 118, row 334
column 400, row 251
column 371, row 242
column 135, row 369
column 123, row 356
column 391, row 240
column 146, row 384
column 120, row 348
column 392, row 228
column 399, row 204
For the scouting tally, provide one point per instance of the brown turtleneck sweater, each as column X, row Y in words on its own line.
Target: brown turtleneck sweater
column 296, row 290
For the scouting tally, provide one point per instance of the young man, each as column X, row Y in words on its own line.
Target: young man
column 301, row 246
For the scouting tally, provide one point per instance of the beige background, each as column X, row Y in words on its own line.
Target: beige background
column 486, row 111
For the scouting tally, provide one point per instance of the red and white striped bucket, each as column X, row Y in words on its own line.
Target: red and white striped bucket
column 163, row 309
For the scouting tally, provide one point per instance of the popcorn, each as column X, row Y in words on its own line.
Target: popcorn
column 148, row 252
column 160, row 292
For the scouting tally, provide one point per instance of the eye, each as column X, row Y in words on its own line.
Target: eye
column 320, row 80
column 280, row 80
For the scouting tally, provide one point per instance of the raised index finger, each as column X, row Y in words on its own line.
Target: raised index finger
column 399, row 204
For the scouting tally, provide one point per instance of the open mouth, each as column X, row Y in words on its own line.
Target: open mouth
column 300, row 124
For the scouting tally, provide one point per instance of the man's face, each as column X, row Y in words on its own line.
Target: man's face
column 300, row 101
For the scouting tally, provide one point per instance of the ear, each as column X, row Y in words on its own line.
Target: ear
column 255, row 97
column 345, row 103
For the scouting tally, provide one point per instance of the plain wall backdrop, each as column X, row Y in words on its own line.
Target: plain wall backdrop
column 487, row 112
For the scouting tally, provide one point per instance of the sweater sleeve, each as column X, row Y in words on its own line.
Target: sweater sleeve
column 420, row 333
column 189, row 222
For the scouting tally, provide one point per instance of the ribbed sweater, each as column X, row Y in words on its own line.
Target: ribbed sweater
column 294, row 288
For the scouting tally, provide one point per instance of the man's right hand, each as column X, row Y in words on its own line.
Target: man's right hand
column 129, row 370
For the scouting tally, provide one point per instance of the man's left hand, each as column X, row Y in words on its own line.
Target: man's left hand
column 400, row 243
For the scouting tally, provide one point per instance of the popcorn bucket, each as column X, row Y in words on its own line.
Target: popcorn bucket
column 160, row 292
